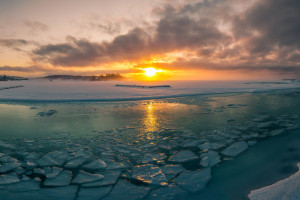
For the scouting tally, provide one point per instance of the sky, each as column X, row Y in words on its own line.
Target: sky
column 182, row 39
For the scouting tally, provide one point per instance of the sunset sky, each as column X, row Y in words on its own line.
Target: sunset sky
column 182, row 39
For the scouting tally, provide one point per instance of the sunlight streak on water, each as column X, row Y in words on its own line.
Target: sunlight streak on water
column 150, row 120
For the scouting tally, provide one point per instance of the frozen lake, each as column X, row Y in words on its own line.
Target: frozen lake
column 66, row 140
column 44, row 90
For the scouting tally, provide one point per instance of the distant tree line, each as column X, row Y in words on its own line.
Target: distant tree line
column 11, row 78
column 102, row 77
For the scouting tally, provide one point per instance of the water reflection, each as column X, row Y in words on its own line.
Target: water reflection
column 150, row 120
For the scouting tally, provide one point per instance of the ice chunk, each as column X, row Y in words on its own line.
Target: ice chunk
column 210, row 159
column 189, row 143
column 124, row 190
column 75, row 163
column 46, row 161
column 20, row 171
column 9, row 178
column 111, row 165
column 93, row 193
column 151, row 157
column 194, row 181
column 184, row 156
column 204, row 146
column 52, row 172
column 84, row 177
column 252, row 142
column 110, row 178
column 149, row 174
column 6, row 146
column 129, row 151
column 9, row 166
column 48, row 113
column 59, row 157
column 63, row 179
column 167, row 193
column 39, row 171
column 286, row 189
column 95, row 165
column 171, row 171
column 235, row 149
column 211, row 145
column 23, row 186
column 277, row 132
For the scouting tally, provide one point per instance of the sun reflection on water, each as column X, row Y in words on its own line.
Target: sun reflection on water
column 150, row 120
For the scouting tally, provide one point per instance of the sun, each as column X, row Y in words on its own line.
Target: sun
column 150, row 72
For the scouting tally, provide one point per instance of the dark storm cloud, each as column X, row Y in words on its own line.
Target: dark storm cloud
column 270, row 25
column 264, row 36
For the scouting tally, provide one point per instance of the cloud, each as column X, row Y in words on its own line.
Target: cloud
column 35, row 26
column 15, row 44
column 85, row 53
column 271, row 26
column 174, row 31
column 262, row 35
column 22, row 68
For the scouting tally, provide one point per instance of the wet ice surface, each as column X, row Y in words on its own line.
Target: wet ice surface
column 166, row 163
column 147, row 171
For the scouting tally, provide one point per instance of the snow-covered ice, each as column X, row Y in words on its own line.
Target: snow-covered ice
column 286, row 189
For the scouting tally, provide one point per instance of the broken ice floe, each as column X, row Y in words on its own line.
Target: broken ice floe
column 165, row 168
